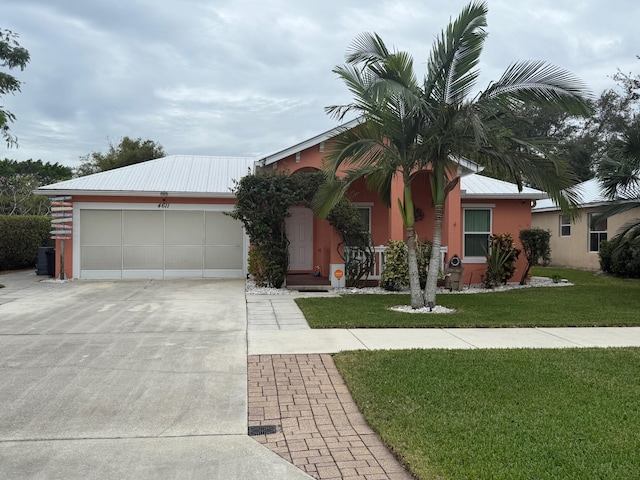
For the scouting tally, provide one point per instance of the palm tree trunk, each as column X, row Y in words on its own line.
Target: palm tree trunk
column 406, row 208
column 417, row 300
column 434, row 263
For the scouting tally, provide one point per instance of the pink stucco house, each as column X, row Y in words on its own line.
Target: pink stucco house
column 477, row 207
column 165, row 218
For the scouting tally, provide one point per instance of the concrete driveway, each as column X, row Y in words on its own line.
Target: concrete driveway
column 126, row 379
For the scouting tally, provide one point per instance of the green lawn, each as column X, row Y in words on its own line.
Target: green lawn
column 594, row 300
column 503, row 414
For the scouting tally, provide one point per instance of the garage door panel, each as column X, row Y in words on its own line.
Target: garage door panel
column 183, row 257
column 145, row 257
column 160, row 244
column 101, row 257
column 222, row 229
column 142, row 228
column 184, row 228
column 101, row 227
column 222, row 257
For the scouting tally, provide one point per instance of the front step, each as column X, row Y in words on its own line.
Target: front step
column 310, row 288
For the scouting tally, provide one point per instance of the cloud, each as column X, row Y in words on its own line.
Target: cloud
column 249, row 77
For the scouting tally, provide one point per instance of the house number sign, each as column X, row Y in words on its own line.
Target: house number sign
column 164, row 204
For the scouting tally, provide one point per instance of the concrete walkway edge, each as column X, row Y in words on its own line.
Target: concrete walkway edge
column 263, row 342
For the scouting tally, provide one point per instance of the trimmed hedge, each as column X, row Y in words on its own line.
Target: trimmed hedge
column 20, row 237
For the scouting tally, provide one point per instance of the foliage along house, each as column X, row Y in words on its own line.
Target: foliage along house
column 165, row 218
column 576, row 243
column 477, row 207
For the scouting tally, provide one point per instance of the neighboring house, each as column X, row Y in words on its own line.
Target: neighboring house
column 576, row 243
column 165, row 218
column 158, row 219
column 475, row 208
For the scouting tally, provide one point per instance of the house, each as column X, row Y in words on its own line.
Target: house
column 477, row 207
column 165, row 218
column 576, row 243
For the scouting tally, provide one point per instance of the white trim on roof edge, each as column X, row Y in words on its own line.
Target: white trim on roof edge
column 132, row 193
column 274, row 157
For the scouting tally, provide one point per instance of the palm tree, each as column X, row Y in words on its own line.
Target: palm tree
column 457, row 125
column 408, row 126
column 385, row 144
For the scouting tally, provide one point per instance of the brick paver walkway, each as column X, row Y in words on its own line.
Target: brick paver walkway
column 319, row 427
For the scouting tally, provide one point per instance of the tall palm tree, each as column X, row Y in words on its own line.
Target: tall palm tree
column 410, row 126
column 384, row 145
column 457, row 125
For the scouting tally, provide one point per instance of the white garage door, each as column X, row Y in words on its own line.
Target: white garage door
column 160, row 244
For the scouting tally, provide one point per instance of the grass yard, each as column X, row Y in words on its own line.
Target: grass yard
column 503, row 414
column 594, row 300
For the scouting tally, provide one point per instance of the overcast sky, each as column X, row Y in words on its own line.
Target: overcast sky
column 246, row 78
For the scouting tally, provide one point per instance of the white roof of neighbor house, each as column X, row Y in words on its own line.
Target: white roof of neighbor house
column 590, row 195
column 479, row 186
column 183, row 175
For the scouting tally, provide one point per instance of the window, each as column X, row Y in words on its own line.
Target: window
column 477, row 228
column 597, row 232
column 565, row 226
column 365, row 215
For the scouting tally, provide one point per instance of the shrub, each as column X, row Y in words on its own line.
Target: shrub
column 395, row 276
column 501, row 259
column 621, row 255
column 536, row 245
column 20, row 237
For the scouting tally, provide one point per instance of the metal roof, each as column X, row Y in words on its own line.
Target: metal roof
column 590, row 195
column 183, row 175
column 479, row 186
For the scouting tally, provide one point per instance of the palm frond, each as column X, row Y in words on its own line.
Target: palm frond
column 455, row 54
column 539, row 83
column 327, row 196
column 619, row 172
column 627, row 236
column 367, row 48
column 617, row 208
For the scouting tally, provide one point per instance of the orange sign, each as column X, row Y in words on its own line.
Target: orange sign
column 338, row 274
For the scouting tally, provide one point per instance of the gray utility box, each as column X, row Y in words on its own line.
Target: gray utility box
column 453, row 274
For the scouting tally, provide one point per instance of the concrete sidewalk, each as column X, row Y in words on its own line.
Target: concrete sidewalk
column 277, row 326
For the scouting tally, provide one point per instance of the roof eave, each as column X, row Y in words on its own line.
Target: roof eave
column 127, row 193
column 274, row 157
column 504, row 196
column 469, row 166
column 554, row 208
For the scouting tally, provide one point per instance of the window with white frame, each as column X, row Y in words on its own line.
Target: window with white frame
column 477, row 228
column 597, row 232
column 565, row 226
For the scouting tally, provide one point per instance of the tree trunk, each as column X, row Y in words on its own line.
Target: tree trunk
column 523, row 279
column 417, row 300
column 434, row 263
